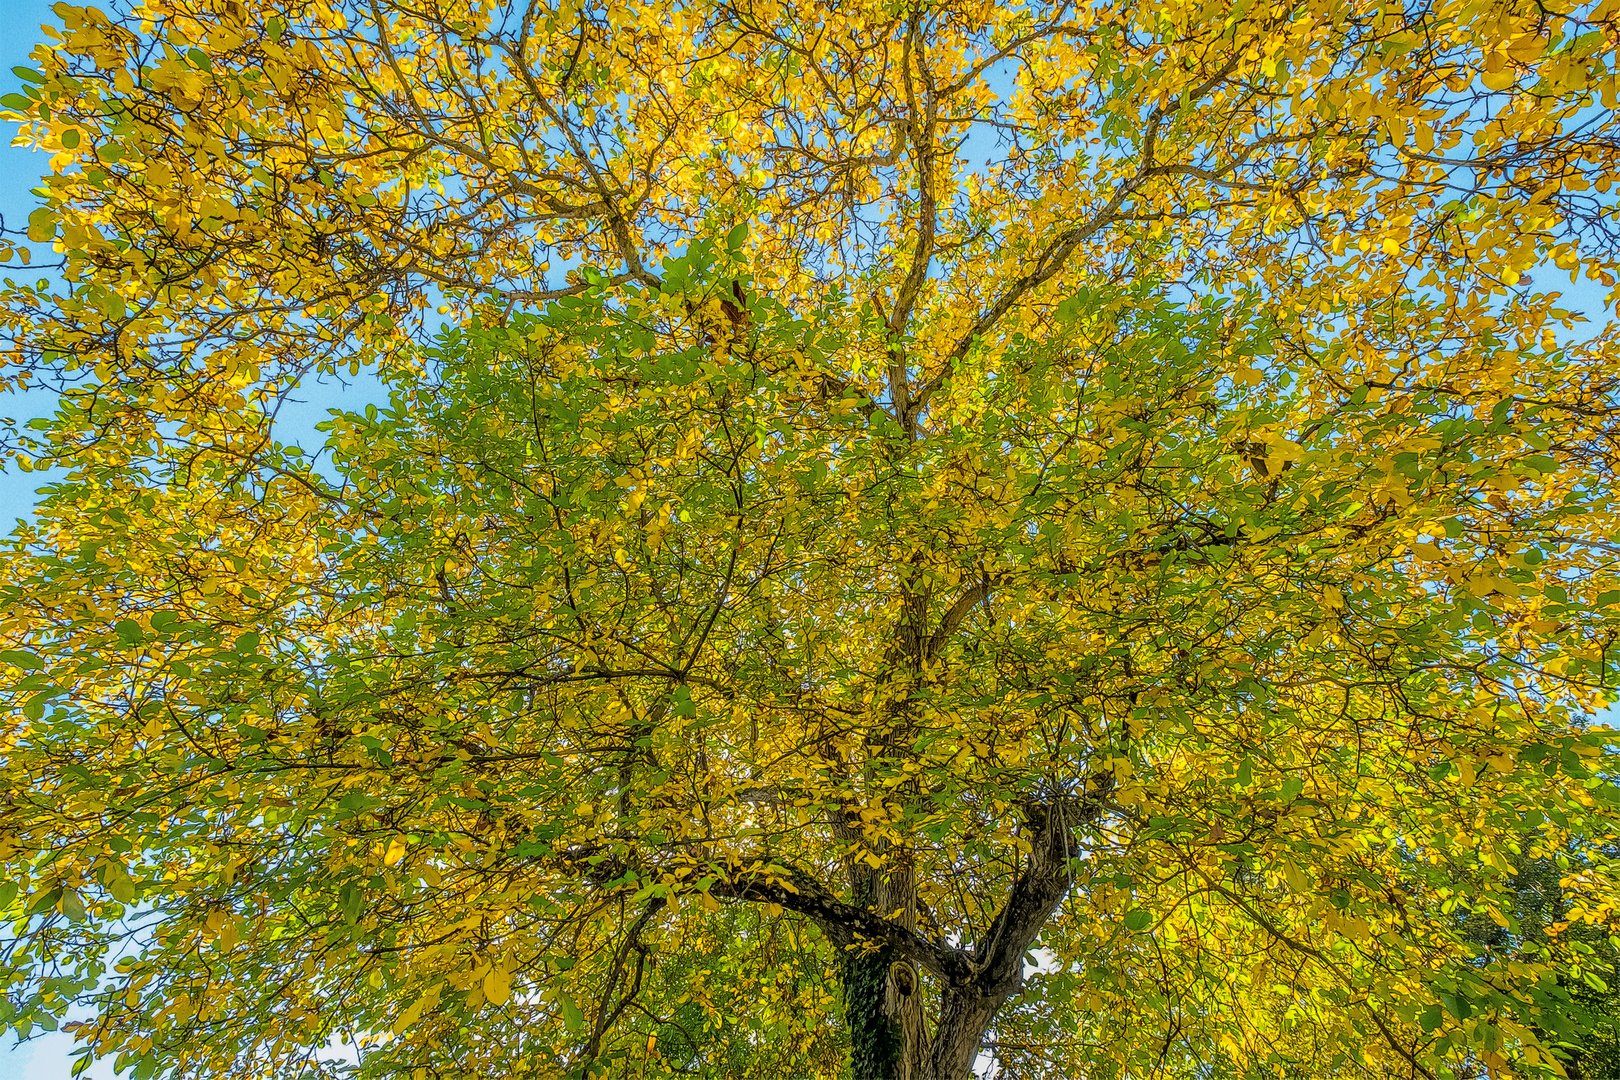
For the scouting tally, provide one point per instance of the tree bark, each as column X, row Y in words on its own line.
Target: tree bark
column 876, row 1039
column 883, row 999
column 964, row 1016
column 882, row 986
column 882, row 991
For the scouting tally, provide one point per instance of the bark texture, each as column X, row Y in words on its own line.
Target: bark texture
column 876, row 1039
column 883, row 993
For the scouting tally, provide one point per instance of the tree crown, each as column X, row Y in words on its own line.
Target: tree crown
column 897, row 533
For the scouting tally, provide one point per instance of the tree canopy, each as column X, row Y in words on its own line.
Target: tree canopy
column 901, row 536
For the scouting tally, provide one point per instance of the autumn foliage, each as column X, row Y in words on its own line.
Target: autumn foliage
column 895, row 536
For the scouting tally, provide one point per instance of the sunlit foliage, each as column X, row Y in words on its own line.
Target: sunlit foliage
column 895, row 535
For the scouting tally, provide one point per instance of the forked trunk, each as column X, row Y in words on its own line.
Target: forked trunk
column 884, row 1046
column 882, row 990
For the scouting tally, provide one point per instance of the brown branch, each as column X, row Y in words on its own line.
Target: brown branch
column 920, row 136
column 957, row 612
column 1055, row 255
column 845, row 924
column 605, row 1016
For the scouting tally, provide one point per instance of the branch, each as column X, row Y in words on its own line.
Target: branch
column 957, row 612
column 920, row 134
column 1055, row 256
column 1306, row 949
column 844, row 923
column 605, row 1016
column 1052, row 259
column 1040, row 887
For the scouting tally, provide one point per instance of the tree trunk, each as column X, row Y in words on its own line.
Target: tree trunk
column 876, row 1039
column 882, row 1045
column 883, row 989
column 883, row 993
column 883, row 998
column 964, row 1017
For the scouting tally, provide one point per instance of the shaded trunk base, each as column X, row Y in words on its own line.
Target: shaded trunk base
column 876, row 1042
column 888, row 1038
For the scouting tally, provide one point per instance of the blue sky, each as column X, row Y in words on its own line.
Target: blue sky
column 19, row 172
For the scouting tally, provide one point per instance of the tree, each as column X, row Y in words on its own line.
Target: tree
column 901, row 534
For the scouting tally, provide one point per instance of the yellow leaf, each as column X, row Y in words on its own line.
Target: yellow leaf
column 416, row 1009
column 1296, row 877
column 497, row 985
column 1498, row 78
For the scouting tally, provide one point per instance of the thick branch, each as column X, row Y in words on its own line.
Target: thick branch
column 957, row 612
column 1055, row 255
column 843, row 923
column 1053, row 258
column 919, row 126
column 1040, row 887
column 607, row 1015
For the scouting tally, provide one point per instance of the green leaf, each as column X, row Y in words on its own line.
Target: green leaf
column 1138, row 920
column 351, row 902
column 121, row 887
column 571, row 1014
column 42, row 225
column 1542, row 463
column 19, row 658
column 44, row 901
column 73, row 905
column 681, row 703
